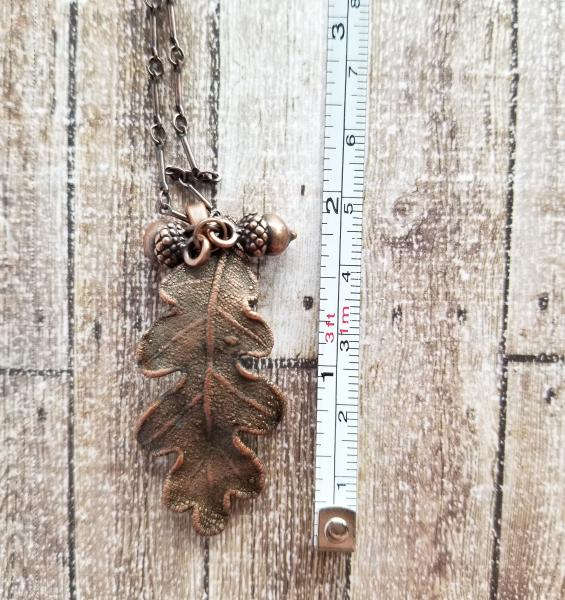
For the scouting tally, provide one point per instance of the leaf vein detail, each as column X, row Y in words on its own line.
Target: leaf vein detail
column 239, row 326
column 253, row 403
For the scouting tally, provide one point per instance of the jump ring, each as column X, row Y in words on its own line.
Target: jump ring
column 204, row 253
column 223, row 243
column 206, row 224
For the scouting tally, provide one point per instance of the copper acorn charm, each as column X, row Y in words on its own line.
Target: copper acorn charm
column 268, row 234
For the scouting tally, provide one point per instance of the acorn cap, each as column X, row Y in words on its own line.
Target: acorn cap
column 149, row 238
column 253, row 237
column 165, row 242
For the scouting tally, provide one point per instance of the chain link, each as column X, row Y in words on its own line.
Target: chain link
column 156, row 71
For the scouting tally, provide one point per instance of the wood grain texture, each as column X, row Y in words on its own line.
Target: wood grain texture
column 270, row 148
column 537, row 268
column 267, row 551
column 433, row 266
column 33, row 186
column 533, row 533
column 33, row 486
column 34, row 524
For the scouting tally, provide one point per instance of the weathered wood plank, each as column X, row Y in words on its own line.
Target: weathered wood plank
column 270, row 140
column 532, row 560
column 267, row 551
column 128, row 546
column 34, row 555
column 33, row 257
column 537, row 268
column 33, row 486
column 435, row 197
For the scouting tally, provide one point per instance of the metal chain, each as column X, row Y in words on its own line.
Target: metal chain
column 156, row 71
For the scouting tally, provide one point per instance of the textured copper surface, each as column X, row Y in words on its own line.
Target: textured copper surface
column 209, row 327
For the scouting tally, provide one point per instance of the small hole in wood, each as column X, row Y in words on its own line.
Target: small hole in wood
column 543, row 301
column 549, row 395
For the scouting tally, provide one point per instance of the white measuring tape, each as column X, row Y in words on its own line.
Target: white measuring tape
column 340, row 286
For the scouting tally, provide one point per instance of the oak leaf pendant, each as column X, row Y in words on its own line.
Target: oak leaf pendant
column 205, row 334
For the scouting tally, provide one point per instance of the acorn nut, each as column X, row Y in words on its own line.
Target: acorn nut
column 268, row 234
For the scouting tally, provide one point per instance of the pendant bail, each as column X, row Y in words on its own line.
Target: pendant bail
column 196, row 211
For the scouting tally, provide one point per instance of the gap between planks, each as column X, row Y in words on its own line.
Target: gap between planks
column 71, row 164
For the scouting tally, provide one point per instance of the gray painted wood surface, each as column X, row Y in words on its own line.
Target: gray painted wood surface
column 462, row 440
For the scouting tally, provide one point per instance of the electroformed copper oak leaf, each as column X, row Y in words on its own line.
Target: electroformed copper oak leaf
column 209, row 328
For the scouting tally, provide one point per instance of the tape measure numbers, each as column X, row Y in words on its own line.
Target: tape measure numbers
column 340, row 275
